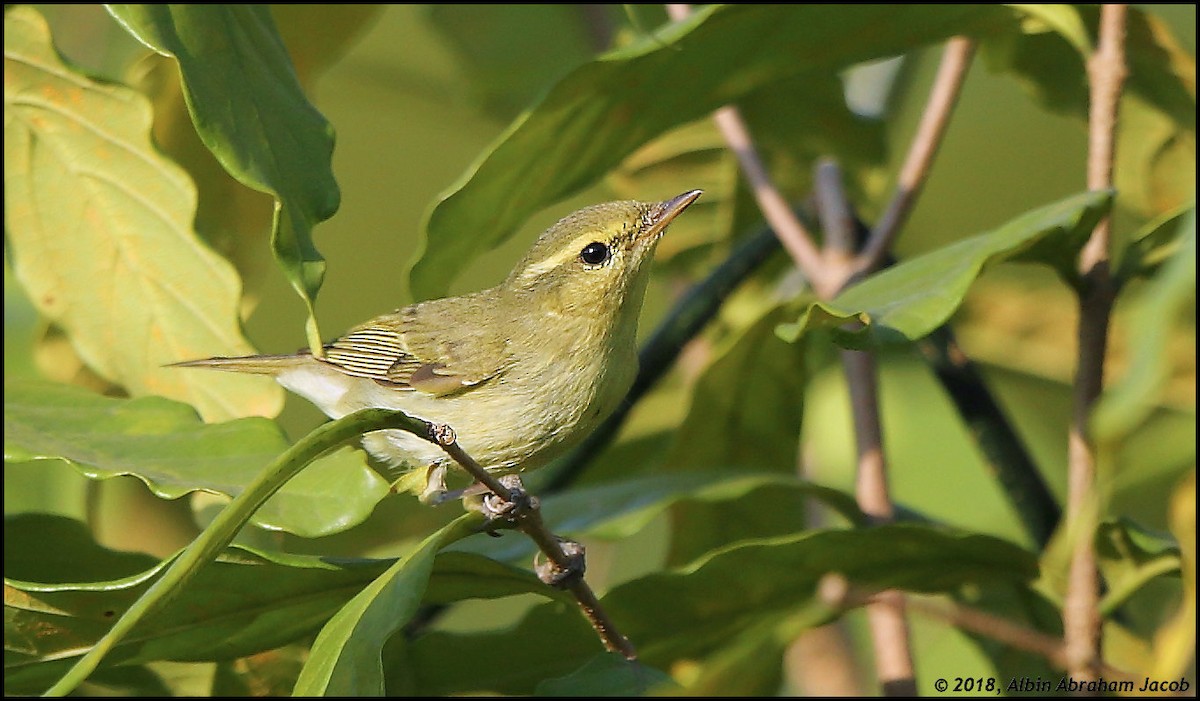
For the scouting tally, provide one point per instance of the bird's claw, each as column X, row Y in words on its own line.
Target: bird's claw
column 559, row 576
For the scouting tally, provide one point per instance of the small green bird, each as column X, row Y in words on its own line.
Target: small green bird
column 521, row 371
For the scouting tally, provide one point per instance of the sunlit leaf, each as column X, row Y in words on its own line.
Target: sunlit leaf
column 166, row 446
column 909, row 300
column 99, row 229
column 251, row 112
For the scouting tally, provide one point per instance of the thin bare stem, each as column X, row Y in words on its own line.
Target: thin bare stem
column 842, row 595
column 889, row 629
column 792, row 233
column 833, row 209
column 528, row 520
column 1081, row 608
column 956, row 59
column 775, row 208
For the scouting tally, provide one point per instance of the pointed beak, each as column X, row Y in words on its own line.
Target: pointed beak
column 664, row 213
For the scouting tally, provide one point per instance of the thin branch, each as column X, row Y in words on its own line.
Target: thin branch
column 792, row 233
column 775, row 208
column 837, row 217
column 528, row 519
column 889, row 628
column 956, row 59
column 1081, row 615
column 838, row 593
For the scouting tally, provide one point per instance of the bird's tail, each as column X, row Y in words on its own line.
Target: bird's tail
column 256, row 364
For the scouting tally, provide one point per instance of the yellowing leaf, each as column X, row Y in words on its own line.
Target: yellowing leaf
column 99, row 228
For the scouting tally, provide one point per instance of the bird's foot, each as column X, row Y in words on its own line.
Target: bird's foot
column 559, row 576
column 501, row 510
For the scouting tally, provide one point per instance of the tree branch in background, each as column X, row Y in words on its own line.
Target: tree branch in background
column 1081, row 613
column 930, row 133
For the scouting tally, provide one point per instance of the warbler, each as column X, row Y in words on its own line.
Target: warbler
column 521, row 371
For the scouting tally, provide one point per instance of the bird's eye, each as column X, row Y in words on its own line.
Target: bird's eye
column 595, row 253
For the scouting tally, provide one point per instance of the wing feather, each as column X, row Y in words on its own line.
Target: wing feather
column 380, row 352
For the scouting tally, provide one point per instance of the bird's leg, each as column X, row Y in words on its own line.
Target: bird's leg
column 556, row 576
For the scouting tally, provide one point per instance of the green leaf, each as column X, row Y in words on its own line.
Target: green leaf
column 251, row 112
column 166, row 446
column 346, row 657
column 747, row 406
column 75, row 557
column 246, row 602
column 607, row 674
column 1160, row 308
column 462, row 575
column 98, row 225
column 605, row 109
column 504, row 76
column 909, row 300
column 61, row 598
column 691, row 613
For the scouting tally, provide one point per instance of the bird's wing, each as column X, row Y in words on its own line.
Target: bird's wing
column 398, row 350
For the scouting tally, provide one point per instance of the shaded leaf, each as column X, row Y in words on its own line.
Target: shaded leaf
column 608, row 107
column 909, row 300
column 251, row 112
column 608, row 674
column 1161, row 72
column 690, row 613
column 75, row 557
column 268, row 673
column 1156, row 243
column 246, row 602
column 460, row 575
column 166, row 446
column 622, row 508
column 504, row 75
column 747, row 406
column 117, row 268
